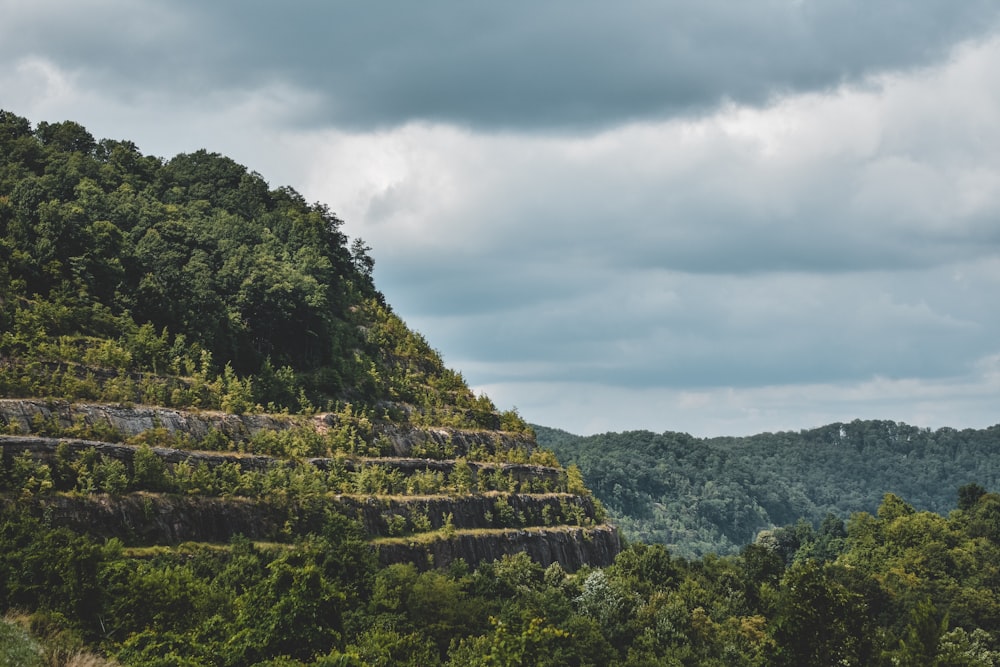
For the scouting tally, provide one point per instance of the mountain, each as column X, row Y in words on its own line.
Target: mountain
column 219, row 447
column 184, row 305
column 714, row 495
column 190, row 283
column 194, row 365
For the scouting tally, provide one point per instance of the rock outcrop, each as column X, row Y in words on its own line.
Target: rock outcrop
column 572, row 548
column 425, row 529
column 45, row 448
column 127, row 421
column 146, row 519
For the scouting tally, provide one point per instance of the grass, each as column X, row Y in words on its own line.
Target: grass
column 155, row 550
column 19, row 649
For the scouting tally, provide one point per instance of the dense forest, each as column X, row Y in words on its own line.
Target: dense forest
column 186, row 351
column 713, row 495
column 189, row 282
column 899, row 587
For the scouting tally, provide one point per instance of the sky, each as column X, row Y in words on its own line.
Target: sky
column 720, row 217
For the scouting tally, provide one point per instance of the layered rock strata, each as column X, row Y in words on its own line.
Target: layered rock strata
column 128, row 421
column 571, row 547
column 550, row 527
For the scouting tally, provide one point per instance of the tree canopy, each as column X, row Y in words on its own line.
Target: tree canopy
column 713, row 495
column 117, row 266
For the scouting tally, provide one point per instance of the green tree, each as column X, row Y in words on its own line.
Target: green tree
column 820, row 621
column 919, row 647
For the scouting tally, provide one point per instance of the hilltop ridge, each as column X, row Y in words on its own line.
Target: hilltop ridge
column 715, row 495
column 181, row 314
column 189, row 282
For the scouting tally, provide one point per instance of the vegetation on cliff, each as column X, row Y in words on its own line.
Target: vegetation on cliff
column 216, row 438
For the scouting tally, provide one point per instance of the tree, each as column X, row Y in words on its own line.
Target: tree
column 819, row 621
column 969, row 495
column 296, row 611
column 363, row 261
column 919, row 647
column 67, row 136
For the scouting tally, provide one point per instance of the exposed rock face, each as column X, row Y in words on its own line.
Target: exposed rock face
column 45, row 448
column 131, row 421
column 572, row 548
column 141, row 519
column 550, row 527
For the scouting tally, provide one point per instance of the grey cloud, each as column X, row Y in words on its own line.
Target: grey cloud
column 686, row 256
column 649, row 258
column 967, row 400
column 734, row 331
column 519, row 65
column 584, row 227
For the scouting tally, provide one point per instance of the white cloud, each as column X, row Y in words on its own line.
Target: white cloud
column 808, row 172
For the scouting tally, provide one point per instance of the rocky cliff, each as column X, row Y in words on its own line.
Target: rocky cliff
column 24, row 415
column 146, row 519
column 46, row 448
column 530, row 510
column 572, row 548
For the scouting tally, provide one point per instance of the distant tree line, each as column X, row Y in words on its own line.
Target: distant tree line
column 713, row 495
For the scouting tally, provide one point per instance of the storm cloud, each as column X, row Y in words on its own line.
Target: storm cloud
column 562, row 65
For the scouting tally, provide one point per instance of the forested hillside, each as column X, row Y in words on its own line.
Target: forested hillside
column 220, row 448
column 126, row 277
column 713, row 495
column 197, row 368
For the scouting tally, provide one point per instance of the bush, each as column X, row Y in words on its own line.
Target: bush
column 17, row 649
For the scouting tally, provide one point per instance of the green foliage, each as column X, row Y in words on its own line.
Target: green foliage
column 901, row 588
column 28, row 476
column 149, row 470
column 537, row 643
column 379, row 480
column 714, row 495
column 17, row 649
column 503, row 514
column 388, row 648
column 461, row 478
column 190, row 283
column 86, row 470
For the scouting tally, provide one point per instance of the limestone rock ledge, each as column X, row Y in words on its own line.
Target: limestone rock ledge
column 147, row 519
column 572, row 548
column 133, row 420
column 142, row 518
column 45, row 448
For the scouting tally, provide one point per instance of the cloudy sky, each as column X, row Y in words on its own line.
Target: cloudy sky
column 712, row 216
